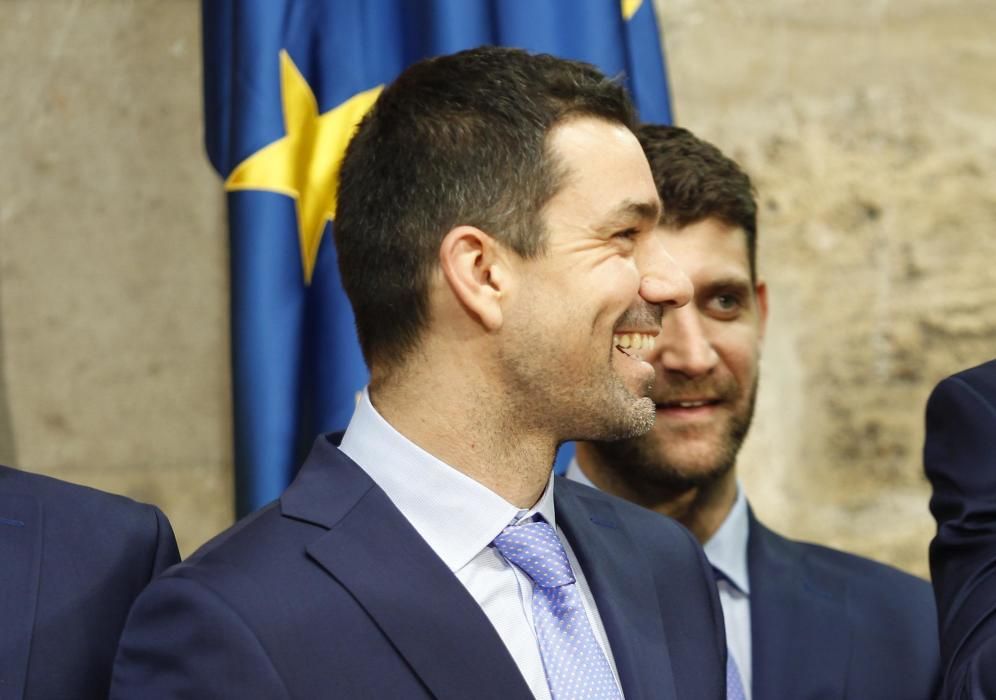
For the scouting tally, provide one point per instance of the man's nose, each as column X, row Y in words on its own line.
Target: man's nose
column 683, row 344
column 662, row 281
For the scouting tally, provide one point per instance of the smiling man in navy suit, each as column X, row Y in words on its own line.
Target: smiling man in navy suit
column 802, row 621
column 959, row 457
column 72, row 561
column 495, row 237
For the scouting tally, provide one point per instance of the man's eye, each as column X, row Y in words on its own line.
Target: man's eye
column 726, row 305
column 626, row 233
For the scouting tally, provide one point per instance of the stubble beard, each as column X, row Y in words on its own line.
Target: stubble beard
column 606, row 411
column 588, row 402
column 626, row 417
column 570, row 406
column 644, row 465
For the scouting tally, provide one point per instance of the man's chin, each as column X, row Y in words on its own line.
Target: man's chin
column 633, row 418
column 680, row 478
column 641, row 419
column 650, row 463
column 634, row 371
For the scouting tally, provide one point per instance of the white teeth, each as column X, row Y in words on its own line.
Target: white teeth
column 691, row 404
column 637, row 341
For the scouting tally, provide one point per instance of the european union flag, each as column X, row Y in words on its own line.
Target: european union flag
column 285, row 82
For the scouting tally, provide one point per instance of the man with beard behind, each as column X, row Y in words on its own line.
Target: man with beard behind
column 802, row 621
column 495, row 234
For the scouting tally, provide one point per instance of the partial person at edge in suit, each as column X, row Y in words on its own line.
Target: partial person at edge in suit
column 72, row 561
column 494, row 229
column 959, row 457
column 802, row 621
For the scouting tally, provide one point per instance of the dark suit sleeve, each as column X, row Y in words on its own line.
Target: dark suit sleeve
column 166, row 551
column 960, row 461
column 183, row 641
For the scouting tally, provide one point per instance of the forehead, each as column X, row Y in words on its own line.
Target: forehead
column 708, row 246
column 604, row 171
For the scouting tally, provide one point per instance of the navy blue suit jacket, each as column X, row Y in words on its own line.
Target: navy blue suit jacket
column 72, row 561
column 960, row 460
column 330, row 592
column 827, row 624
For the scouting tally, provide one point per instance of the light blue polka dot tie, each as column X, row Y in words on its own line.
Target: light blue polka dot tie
column 734, row 686
column 574, row 663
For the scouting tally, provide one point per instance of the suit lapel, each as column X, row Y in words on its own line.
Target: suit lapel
column 623, row 588
column 20, row 566
column 799, row 628
column 374, row 552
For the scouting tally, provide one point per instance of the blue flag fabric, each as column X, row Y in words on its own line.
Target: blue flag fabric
column 283, row 79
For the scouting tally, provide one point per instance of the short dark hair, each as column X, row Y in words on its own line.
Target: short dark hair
column 696, row 181
column 455, row 140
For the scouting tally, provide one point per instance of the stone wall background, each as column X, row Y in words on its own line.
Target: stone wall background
column 113, row 262
column 867, row 126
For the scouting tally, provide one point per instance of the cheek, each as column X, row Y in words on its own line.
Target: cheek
column 739, row 350
column 617, row 281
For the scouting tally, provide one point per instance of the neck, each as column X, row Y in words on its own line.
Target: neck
column 702, row 509
column 454, row 417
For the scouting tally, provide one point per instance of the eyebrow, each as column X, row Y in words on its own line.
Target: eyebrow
column 629, row 212
column 729, row 282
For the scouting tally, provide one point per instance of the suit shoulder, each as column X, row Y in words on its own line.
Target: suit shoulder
column 77, row 500
column 874, row 589
column 890, row 615
column 869, row 573
column 827, row 562
column 982, row 376
column 117, row 533
column 970, row 389
column 643, row 524
column 252, row 546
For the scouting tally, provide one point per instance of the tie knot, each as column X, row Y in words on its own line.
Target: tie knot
column 721, row 577
column 535, row 548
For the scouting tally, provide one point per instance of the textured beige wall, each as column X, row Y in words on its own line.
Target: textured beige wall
column 867, row 125
column 113, row 267
column 870, row 131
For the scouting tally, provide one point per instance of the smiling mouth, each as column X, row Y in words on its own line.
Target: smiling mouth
column 688, row 404
column 632, row 345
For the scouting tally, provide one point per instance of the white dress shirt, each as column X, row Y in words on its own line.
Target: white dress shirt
column 726, row 551
column 458, row 518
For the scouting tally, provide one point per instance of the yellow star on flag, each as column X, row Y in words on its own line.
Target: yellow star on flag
column 629, row 8
column 305, row 162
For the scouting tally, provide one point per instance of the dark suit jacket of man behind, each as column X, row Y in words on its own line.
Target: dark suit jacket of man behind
column 330, row 592
column 960, row 461
column 72, row 561
column 826, row 623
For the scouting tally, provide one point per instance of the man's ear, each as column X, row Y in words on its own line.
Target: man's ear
column 472, row 265
column 761, row 292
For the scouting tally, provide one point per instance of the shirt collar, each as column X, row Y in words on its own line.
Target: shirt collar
column 726, row 550
column 574, row 473
column 456, row 515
